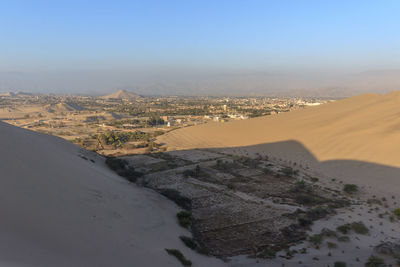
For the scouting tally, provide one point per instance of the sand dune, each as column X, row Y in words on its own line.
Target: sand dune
column 363, row 129
column 58, row 208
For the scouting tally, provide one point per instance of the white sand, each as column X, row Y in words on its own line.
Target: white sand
column 58, row 209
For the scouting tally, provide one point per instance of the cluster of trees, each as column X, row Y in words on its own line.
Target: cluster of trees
column 118, row 139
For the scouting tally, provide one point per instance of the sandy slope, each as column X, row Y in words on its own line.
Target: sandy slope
column 58, row 209
column 354, row 139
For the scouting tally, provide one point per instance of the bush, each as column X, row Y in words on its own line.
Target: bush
column 343, row 238
column 397, row 212
column 177, row 254
column 122, row 168
column 340, row 264
column 116, row 164
column 331, row 245
column 189, row 242
column 350, row 188
column 344, row 229
column 189, row 173
column 184, row 218
column 268, row 253
column 374, row 261
column 359, row 228
column 316, row 239
column 174, row 195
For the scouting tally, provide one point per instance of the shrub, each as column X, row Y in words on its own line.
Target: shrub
column 328, row 232
column 316, row 239
column 343, row 238
column 189, row 173
column 374, row 261
column 397, row 212
column 339, row 264
column 350, row 188
column 177, row 254
column 184, row 218
column 344, row 229
column 305, row 222
column 174, row 195
column 116, row 164
column 359, row 228
column 268, row 253
column 122, row 168
column 189, row 242
column 331, row 245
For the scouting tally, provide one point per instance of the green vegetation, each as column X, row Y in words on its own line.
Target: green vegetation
column 316, row 239
column 350, row 188
column 118, row 139
column 122, row 168
column 344, row 229
column 374, row 261
column 267, row 253
column 339, row 264
column 358, row 227
column 177, row 254
column 331, row 245
column 184, row 218
column 177, row 197
column 189, row 242
column 397, row 212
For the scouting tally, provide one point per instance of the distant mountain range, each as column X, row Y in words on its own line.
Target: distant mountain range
column 204, row 83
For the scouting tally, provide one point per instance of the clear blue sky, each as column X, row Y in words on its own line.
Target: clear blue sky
column 38, row 35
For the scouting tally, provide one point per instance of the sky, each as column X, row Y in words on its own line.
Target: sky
column 159, row 37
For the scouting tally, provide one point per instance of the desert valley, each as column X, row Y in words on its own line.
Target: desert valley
column 206, row 133
column 314, row 186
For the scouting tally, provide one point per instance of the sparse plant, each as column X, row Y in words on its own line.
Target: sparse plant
column 189, row 242
column 177, row 254
column 268, row 253
column 374, row 261
column 331, row 245
column 343, row 238
column 344, row 229
column 350, row 188
column 359, row 228
column 184, row 218
column 316, row 239
column 396, row 212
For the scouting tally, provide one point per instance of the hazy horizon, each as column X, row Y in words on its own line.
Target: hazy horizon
column 205, row 47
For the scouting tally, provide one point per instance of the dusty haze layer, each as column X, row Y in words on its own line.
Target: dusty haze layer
column 58, row 208
column 356, row 139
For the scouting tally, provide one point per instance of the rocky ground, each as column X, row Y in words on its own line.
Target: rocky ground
column 238, row 205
